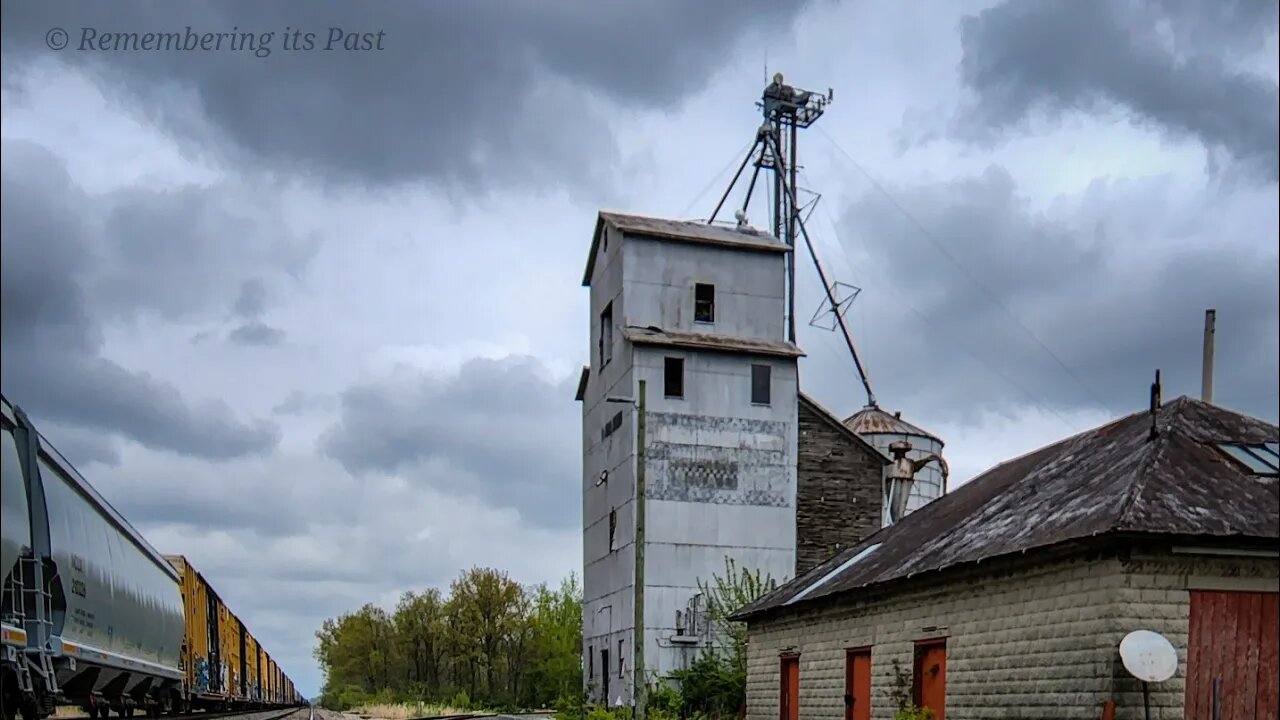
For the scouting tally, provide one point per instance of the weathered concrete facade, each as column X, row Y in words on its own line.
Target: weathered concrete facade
column 839, row 487
column 720, row 468
column 1033, row 637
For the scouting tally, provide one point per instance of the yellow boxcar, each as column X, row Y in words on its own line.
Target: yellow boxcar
column 251, row 654
column 231, row 655
column 202, row 658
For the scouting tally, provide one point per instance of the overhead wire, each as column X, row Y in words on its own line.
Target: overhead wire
column 972, row 278
column 1035, row 399
column 736, row 158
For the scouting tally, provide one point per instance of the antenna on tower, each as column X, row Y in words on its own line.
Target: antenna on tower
column 787, row 109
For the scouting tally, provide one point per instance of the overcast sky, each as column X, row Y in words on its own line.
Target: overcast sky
column 314, row 319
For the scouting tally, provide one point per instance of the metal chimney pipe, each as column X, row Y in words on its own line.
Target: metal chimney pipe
column 1206, row 378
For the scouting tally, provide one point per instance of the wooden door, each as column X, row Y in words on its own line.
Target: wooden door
column 931, row 677
column 857, row 685
column 1232, row 649
column 789, row 698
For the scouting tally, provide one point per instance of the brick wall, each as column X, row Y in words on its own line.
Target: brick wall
column 1034, row 638
column 839, row 488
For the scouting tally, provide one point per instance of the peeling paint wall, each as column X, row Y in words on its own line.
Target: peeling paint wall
column 720, row 471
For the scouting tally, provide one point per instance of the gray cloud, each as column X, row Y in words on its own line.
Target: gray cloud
column 256, row 334
column 252, row 299
column 497, row 420
column 479, row 93
column 52, row 338
column 1114, row 283
column 1081, row 55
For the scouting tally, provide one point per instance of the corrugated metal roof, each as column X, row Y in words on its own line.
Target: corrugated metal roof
column 694, row 231
column 872, row 420
column 703, row 341
column 1112, row 479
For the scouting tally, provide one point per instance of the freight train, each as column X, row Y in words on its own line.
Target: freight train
column 92, row 616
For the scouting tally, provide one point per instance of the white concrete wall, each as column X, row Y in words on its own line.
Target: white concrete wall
column 688, row 533
column 750, row 288
column 608, row 573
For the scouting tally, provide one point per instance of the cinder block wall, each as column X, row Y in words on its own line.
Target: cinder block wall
column 838, row 489
column 1026, row 643
column 1031, row 638
column 1155, row 594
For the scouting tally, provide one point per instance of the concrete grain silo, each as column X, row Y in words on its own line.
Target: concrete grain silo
column 882, row 430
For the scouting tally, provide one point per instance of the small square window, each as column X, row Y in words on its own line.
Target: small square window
column 704, row 302
column 673, row 377
column 760, row 384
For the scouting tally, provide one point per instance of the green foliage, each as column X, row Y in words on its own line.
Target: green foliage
column 715, row 684
column 725, row 595
column 488, row 643
column 904, row 705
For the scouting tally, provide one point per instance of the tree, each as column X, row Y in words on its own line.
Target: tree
column 716, row 683
column 487, row 641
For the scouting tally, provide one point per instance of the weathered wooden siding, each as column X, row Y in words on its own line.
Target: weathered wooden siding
column 839, row 488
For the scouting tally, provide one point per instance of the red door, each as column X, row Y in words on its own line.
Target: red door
column 1232, row 655
column 931, row 677
column 789, row 705
column 857, row 685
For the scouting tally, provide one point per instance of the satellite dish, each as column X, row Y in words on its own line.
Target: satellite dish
column 1148, row 656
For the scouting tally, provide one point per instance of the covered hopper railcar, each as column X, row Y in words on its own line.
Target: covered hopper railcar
column 91, row 615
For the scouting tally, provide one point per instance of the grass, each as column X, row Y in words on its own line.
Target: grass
column 404, row 711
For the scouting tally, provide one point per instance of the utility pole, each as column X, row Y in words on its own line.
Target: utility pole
column 639, row 688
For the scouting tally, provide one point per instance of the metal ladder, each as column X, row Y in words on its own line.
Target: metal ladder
column 36, row 595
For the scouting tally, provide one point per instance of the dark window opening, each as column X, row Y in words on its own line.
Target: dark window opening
column 611, row 427
column 604, row 672
column 591, row 661
column 606, row 335
column 613, row 527
column 760, row 377
column 621, row 661
column 704, row 302
column 673, row 377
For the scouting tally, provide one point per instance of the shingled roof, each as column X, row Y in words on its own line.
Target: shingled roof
column 1113, row 479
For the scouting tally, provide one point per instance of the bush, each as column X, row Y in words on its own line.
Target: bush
column 461, row 700
column 712, row 686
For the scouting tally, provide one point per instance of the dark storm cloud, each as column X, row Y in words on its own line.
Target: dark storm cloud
column 483, row 91
column 1066, row 55
column 1115, row 288
column 52, row 338
column 497, row 419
